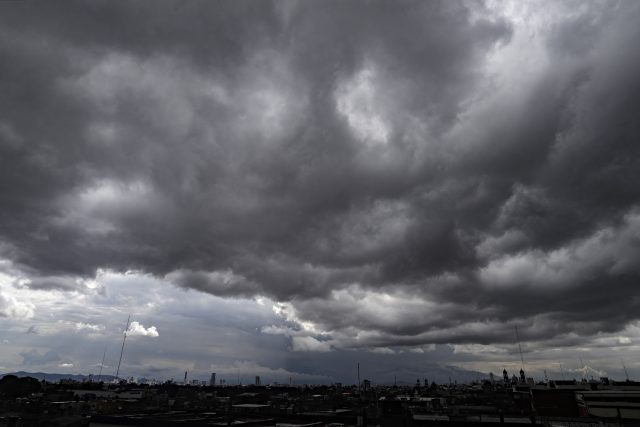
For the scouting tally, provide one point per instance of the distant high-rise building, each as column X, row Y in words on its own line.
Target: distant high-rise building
column 212, row 380
column 258, row 380
column 185, row 378
column 505, row 376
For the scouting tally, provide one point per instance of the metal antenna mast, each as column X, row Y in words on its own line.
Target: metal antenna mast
column 102, row 364
column 519, row 347
column 626, row 374
column 122, row 349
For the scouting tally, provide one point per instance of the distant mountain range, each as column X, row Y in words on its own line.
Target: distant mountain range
column 57, row 377
column 441, row 374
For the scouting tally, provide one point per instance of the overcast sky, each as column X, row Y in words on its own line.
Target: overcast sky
column 285, row 189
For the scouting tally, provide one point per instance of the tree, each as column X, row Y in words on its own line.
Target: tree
column 13, row 387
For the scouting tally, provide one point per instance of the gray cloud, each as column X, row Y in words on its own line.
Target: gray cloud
column 33, row 357
column 345, row 158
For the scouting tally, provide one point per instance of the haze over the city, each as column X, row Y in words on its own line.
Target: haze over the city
column 288, row 188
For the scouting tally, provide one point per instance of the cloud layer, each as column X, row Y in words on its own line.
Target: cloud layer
column 392, row 176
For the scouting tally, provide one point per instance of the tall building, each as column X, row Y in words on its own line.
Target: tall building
column 212, row 380
column 258, row 380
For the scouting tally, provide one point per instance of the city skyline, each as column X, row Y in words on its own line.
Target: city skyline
column 285, row 189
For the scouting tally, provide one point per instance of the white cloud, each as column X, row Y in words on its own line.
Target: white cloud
column 13, row 308
column 137, row 329
column 624, row 340
column 80, row 326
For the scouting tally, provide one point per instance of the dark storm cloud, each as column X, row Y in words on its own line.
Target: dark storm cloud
column 327, row 153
